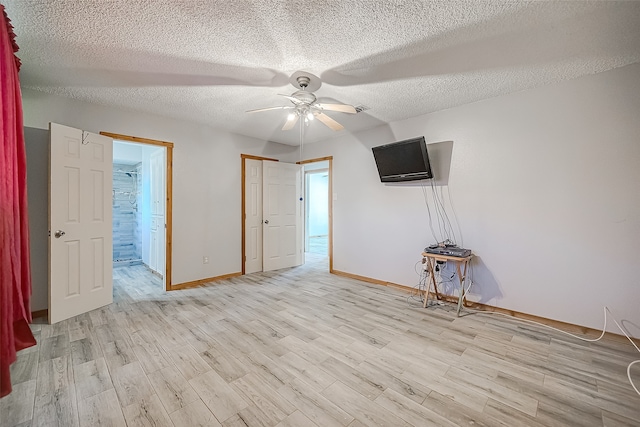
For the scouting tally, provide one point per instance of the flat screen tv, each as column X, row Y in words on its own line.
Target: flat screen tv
column 406, row 160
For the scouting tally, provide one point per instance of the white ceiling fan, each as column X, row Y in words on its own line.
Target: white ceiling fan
column 306, row 105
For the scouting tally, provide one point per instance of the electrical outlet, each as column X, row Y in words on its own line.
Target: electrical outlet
column 205, row 260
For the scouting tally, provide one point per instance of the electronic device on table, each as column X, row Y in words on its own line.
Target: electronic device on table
column 450, row 250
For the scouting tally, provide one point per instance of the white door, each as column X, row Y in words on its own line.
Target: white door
column 80, row 222
column 154, row 253
column 282, row 215
column 253, row 216
column 158, row 201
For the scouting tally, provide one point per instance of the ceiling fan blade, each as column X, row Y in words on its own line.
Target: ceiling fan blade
column 290, row 123
column 343, row 108
column 291, row 98
column 207, row 74
column 332, row 124
column 269, row 108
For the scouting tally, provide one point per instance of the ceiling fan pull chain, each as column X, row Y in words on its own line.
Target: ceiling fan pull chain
column 301, row 137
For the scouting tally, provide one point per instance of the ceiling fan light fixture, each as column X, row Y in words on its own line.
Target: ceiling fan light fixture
column 305, row 106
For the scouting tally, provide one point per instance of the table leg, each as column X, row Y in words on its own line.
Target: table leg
column 461, row 277
column 432, row 278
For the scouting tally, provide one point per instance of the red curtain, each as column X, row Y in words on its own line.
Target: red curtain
column 15, row 275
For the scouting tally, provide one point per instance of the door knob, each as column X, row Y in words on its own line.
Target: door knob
column 266, row 221
column 59, row 233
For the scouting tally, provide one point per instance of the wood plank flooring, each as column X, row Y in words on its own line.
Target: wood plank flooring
column 301, row 347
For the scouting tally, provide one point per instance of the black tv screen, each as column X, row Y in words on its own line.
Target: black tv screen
column 406, row 160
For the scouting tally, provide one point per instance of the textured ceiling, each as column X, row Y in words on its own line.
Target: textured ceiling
column 210, row 61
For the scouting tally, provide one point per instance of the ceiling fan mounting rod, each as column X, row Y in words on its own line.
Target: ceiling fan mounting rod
column 303, row 81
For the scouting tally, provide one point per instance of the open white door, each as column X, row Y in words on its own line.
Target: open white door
column 253, row 216
column 158, row 200
column 80, row 222
column 282, row 215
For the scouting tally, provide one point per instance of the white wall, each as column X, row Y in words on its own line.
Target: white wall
column 546, row 188
column 37, row 148
column 206, row 177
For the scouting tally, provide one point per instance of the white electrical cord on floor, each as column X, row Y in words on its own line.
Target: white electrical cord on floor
column 604, row 328
column 629, row 374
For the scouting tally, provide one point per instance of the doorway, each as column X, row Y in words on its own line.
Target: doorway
column 316, row 235
column 320, row 166
column 247, row 212
column 142, row 214
column 138, row 201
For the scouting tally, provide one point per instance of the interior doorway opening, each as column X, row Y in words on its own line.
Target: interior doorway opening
column 146, row 166
column 138, row 200
column 253, row 222
column 316, row 235
column 319, row 208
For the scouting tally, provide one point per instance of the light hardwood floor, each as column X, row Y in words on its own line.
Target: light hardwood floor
column 319, row 245
column 301, row 347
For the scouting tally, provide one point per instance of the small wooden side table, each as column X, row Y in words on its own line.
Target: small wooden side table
column 461, row 264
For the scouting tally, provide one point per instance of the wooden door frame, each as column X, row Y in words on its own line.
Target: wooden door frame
column 330, row 197
column 243, row 211
column 169, row 196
